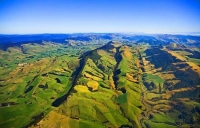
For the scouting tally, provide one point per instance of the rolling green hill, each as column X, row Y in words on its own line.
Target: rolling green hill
column 115, row 88
column 118, row 84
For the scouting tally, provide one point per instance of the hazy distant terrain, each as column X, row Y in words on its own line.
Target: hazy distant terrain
column 99, row 79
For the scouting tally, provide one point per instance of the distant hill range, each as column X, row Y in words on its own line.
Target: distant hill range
column 61, row 38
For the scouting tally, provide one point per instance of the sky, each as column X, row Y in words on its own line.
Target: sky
column 99, row 16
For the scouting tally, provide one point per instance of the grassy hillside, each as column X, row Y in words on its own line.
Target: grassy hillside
column 114, row 85
column 123, row 86
column 32, row 78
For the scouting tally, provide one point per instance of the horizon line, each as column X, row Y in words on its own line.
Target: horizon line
column 140, row 33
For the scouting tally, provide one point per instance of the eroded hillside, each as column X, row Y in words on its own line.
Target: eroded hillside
column 130, row 86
